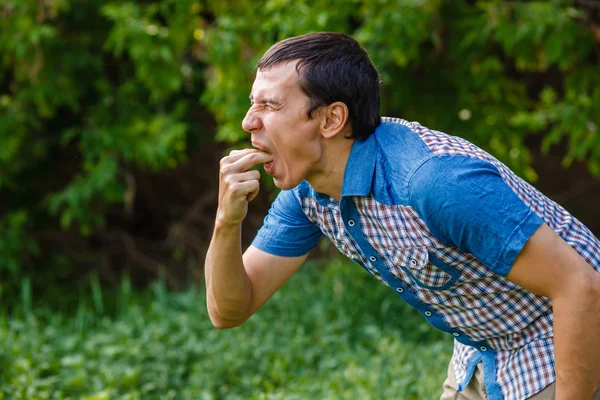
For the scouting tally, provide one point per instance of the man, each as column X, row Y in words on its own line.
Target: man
column 479, row 252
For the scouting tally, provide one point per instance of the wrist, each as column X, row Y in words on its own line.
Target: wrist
column 223, row 224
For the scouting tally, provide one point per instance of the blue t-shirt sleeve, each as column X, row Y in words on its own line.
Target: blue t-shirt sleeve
column 465, row 203
column 286, row 230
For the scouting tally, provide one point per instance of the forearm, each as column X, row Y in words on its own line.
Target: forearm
column 228, row 288
column 577, row 342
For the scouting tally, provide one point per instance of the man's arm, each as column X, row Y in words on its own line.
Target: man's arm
column 548, row 266
column 236, row 285
column 474, row 209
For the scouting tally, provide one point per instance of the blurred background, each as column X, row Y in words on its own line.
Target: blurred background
column 114, row 115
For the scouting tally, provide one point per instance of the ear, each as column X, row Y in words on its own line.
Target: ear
column 334, row 119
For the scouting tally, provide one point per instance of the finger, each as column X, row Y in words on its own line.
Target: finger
column 252, row 195
column 245, row 189
column 235, row 155
column 252, row 175
column 250, row 160
column 229, row 181
column 234, row 152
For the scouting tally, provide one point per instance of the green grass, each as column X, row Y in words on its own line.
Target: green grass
column 329, row 333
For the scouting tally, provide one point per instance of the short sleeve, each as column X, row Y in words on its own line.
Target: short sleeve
column 465, row 203
column 286, row 230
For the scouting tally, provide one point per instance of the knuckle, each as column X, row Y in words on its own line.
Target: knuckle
column 226, row 169
column 236, row 189
column 228, row 180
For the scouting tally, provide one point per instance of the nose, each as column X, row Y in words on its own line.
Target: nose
column 251, row 122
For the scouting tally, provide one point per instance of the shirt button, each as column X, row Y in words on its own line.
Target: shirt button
column 483, row 348
column 455, row 334
column 413, row 261
column 373, row 258
column 399, row 290
column 351, row 222
column 428, row 313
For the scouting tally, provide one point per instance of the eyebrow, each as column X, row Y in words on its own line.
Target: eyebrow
column 266, row 100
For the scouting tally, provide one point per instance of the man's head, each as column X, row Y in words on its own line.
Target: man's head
column 312, row 97
column 332, row 67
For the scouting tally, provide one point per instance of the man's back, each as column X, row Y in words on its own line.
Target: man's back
column 442, row 222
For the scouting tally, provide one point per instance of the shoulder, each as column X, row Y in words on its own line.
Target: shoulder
column 452, row 174
column 404, row 148
column 419, row 139
column 396, row 134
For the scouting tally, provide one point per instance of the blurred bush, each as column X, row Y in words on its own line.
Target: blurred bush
column 97, row 96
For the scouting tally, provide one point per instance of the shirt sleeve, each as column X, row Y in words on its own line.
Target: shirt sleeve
column 465, row 203
column 286, row 230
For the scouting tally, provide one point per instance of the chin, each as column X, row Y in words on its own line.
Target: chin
column 283, row 185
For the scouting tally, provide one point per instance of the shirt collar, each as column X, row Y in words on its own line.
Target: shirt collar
column 358, row 176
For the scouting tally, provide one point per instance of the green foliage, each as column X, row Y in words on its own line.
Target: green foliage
column 330, row 333
column 106, row 83
column 14, row 243
column 116, row 71
column 92, row 91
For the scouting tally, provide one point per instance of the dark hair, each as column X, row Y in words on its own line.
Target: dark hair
column 333, row 67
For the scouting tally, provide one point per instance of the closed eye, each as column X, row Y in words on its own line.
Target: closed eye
column 265, row 101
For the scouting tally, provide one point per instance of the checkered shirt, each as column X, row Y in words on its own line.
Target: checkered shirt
column 492, row 319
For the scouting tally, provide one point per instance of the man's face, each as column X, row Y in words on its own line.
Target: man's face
column 278, row 122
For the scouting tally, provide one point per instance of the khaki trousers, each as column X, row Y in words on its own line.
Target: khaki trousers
column 476, row 389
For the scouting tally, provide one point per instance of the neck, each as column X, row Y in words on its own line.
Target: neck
column 330, row 179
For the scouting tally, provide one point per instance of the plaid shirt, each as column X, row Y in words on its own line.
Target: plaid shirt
column 441, row 222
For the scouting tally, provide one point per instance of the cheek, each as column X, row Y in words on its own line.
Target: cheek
column 298, row 147
column 301, row 158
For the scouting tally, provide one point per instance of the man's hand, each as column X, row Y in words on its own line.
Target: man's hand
column 238, row 185
column 236, row 285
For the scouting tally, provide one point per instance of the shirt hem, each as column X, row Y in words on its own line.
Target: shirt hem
column 515, row 243
column 282, row 251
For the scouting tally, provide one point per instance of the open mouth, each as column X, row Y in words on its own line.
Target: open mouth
column 269, row 166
